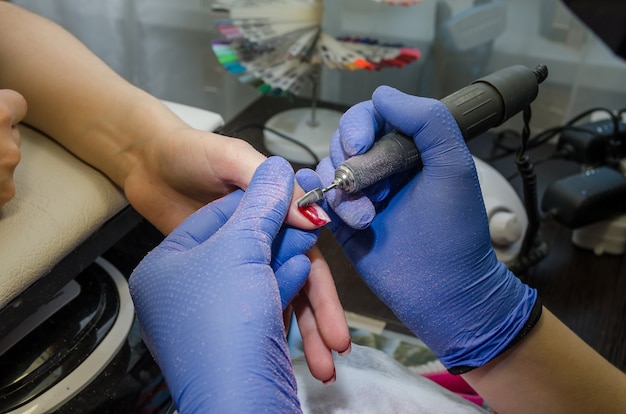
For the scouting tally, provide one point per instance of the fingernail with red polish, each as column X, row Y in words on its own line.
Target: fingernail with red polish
column 315, row 214
column 332, row 379
column 346, row 351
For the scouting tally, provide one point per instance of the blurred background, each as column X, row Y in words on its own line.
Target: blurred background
column 164, row 47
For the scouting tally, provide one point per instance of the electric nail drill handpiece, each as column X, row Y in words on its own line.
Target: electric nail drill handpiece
column 484, row 104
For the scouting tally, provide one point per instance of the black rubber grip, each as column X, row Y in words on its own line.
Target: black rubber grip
column 490, row 101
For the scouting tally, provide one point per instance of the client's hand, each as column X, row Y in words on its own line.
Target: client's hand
column 12, row 111
column 209, row 299
column 427, row 252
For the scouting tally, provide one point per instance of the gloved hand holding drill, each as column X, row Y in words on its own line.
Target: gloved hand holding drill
column 427, row 252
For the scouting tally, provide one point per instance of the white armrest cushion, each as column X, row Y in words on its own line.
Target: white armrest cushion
column 196, row 117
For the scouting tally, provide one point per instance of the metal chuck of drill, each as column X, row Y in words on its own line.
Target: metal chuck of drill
column 484, row 104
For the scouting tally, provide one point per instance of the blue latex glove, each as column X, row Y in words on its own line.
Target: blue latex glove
column 358, row 129
column 209, row 305
column 427, row 253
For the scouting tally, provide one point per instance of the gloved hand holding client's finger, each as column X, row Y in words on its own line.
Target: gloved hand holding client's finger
column 209, row 299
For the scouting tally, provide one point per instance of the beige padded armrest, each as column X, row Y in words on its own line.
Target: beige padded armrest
column 60, row 201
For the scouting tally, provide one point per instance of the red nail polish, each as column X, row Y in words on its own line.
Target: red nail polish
column 314, row 214
column 331, row 380
column 346, row 351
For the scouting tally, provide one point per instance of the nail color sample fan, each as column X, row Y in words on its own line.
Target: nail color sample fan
column 279, row 47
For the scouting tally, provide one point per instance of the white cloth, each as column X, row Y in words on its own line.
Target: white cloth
column 370, row 381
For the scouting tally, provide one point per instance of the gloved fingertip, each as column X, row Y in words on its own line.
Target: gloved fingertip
column 308, row 179
column 202, row 224
column 326, row 171
column 383, row 92
column 408, row 113
column 398, row 107
column 275, row 165
column 357, row 128
column 269, row 194
column 337, row 154
column 356, row 211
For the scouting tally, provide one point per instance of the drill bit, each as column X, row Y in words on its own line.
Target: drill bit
column 315, row 195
